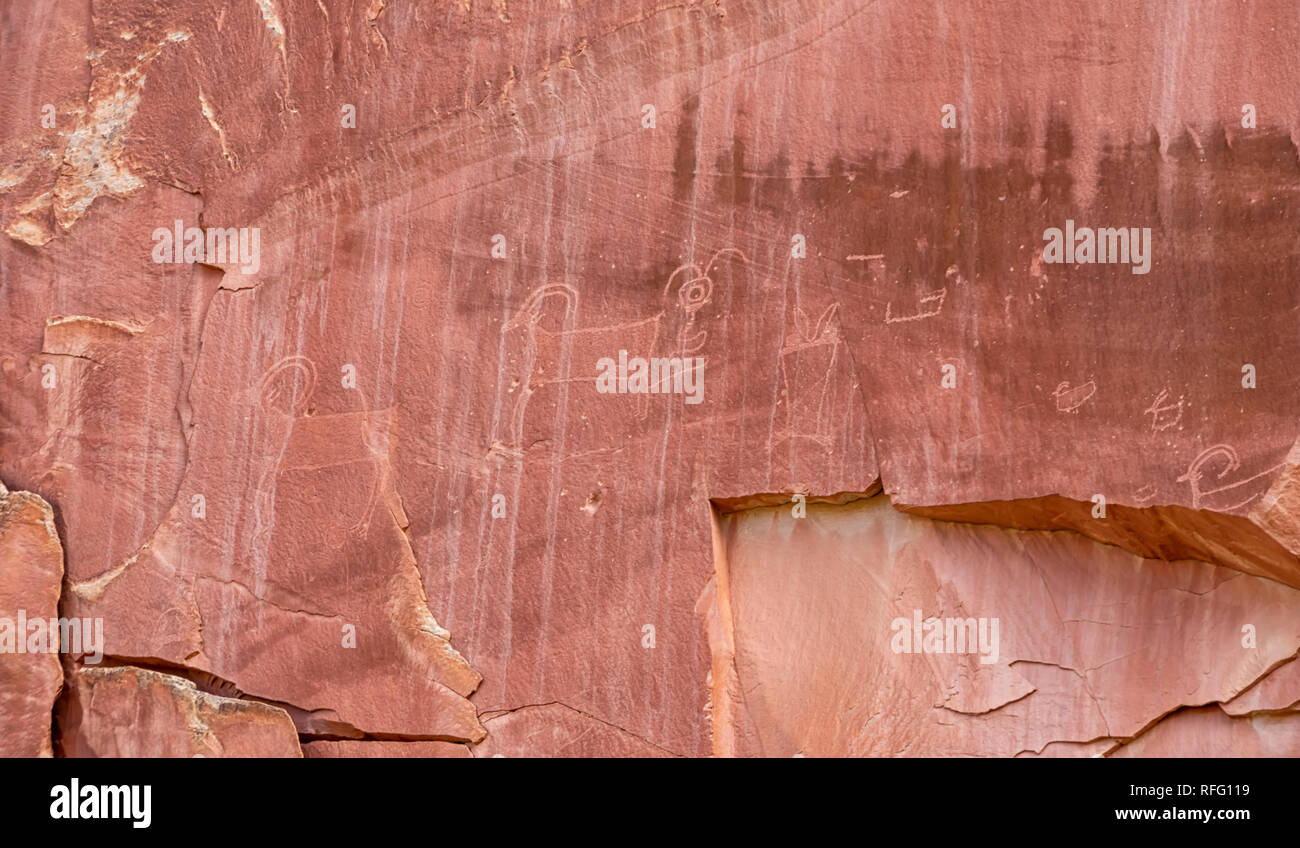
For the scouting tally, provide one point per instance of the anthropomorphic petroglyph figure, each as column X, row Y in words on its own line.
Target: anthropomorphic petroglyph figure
column 1164, row 413
column 809, row 358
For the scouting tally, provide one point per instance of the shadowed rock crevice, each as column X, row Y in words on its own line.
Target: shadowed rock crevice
column 1169, row 532
column 1254, row 543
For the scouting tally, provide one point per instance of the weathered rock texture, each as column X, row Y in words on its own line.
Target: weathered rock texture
column 1093, row 645
column 132, row 712
column 31, row 571
column 372, row 480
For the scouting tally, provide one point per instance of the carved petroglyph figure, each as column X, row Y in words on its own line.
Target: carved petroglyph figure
column 808, row 362
column 1228, row 496
column 1164, row 414
column 546, row 350
column 302, row 444
column 1070, row 398
column 930, row 304
column 1145, row 495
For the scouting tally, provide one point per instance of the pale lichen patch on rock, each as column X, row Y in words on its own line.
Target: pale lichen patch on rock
column 92, row 160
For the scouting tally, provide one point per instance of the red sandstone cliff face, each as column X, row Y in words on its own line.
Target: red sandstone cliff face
column 1076, row 647
column 31, row 569
column 359, row 491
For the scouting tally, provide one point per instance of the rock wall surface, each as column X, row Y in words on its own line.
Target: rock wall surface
column 133, row 712
column 1063, row 643
column 31, row 575
column 365, row 473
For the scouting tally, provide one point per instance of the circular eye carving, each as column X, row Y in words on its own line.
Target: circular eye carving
column 695, row 293
column 287, row 387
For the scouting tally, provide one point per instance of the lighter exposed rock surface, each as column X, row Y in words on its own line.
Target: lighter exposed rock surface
column 1093, row 644
column 133, row 712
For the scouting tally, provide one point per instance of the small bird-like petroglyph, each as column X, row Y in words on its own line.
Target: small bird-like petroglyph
column 1069, row 399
